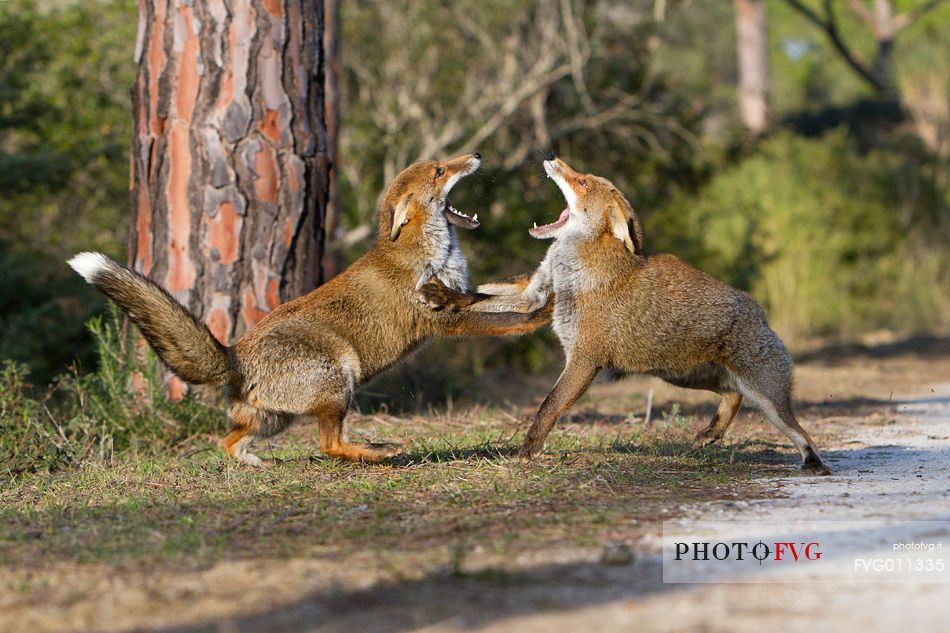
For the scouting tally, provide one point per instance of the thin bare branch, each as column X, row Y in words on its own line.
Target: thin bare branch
column 578, row 62
column 863, row 13
column 543, row 51
column 808, row 13
column 829, row 24
column 512, row 103
column 903, row 20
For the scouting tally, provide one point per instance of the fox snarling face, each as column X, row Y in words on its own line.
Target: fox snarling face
column 417, row 220
column 595, row 208
column 417, row 198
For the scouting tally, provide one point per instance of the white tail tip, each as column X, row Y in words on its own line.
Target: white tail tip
column 88, row 264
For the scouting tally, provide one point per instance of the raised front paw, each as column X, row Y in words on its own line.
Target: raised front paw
column 437, row 296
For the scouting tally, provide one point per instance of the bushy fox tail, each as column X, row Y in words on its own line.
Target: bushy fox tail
column 185, row 344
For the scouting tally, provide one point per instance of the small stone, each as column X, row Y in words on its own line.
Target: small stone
column 616, row 553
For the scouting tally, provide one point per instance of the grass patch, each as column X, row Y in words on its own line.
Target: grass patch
column 458, row 487
column 84, row 418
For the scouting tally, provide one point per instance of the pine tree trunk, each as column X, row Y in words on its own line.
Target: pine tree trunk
column 230, row 155
column 753, row 64
column 332, row 263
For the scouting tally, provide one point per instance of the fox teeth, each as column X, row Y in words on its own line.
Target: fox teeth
column 535, row 224
column 456, row 211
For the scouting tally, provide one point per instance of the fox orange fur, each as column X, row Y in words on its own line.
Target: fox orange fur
column 306, row 358
column 617, row 308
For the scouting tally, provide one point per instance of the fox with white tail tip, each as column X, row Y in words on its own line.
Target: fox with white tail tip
column 306, row 357
column 186, row 345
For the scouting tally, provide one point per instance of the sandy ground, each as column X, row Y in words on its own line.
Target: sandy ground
column 882, row 420
column 899, row 470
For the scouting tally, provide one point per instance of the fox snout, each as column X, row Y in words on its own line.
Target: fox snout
column 448, row 173
column 568, row 181
column 557, row 169
column 459, row 167
column 456, row 169
column 572, row 184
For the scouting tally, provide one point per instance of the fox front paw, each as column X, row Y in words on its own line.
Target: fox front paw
column 437, row 296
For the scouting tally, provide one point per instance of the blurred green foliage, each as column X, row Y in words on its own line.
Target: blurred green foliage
column 837, row 220
column 832, row 240
column 65, row 130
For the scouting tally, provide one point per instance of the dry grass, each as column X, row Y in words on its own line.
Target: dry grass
column 458, row 484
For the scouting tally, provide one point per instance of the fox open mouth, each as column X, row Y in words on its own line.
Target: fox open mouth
column 459, row 219
column 546, row 230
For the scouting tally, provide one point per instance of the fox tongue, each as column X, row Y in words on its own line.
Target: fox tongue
column 542, row 231
column 561, row 219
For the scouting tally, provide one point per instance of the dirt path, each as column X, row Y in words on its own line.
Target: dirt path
column 899, row 470
column 883, row 423
column 892, row 470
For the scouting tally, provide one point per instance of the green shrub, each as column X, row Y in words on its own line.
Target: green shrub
column 65, row 127
column 832, row 240
column 121, row 407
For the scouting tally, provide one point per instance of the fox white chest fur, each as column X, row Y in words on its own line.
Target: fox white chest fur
column 567, row 279
column 445, row 257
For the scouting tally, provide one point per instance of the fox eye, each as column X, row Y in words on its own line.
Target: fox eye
column 583, row 183
column 439, row 171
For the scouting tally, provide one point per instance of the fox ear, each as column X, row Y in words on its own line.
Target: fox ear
column 626, row 227
column 398, row 217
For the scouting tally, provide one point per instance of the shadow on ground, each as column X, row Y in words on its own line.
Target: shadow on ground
column 925, row 345
column 464, row 600
column 478, row 599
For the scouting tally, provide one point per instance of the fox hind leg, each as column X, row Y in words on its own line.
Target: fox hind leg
column 777, row 407
column 237, row 442
column 714, row 377
column 728, row 407
column 248, row 424
column 330, row 416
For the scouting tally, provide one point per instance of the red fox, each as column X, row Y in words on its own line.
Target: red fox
column 306, row 358
column 616, row 308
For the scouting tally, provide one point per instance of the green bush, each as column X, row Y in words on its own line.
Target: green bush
column 831, row 239
column 121, row 407
column 65, row 125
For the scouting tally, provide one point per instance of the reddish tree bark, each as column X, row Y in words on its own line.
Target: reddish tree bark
column 230, row 154
column 331, row 47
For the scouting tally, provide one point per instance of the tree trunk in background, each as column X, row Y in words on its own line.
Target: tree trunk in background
column 229, row 155
column 885, row 32
column 753, row 64
column 331, row 45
